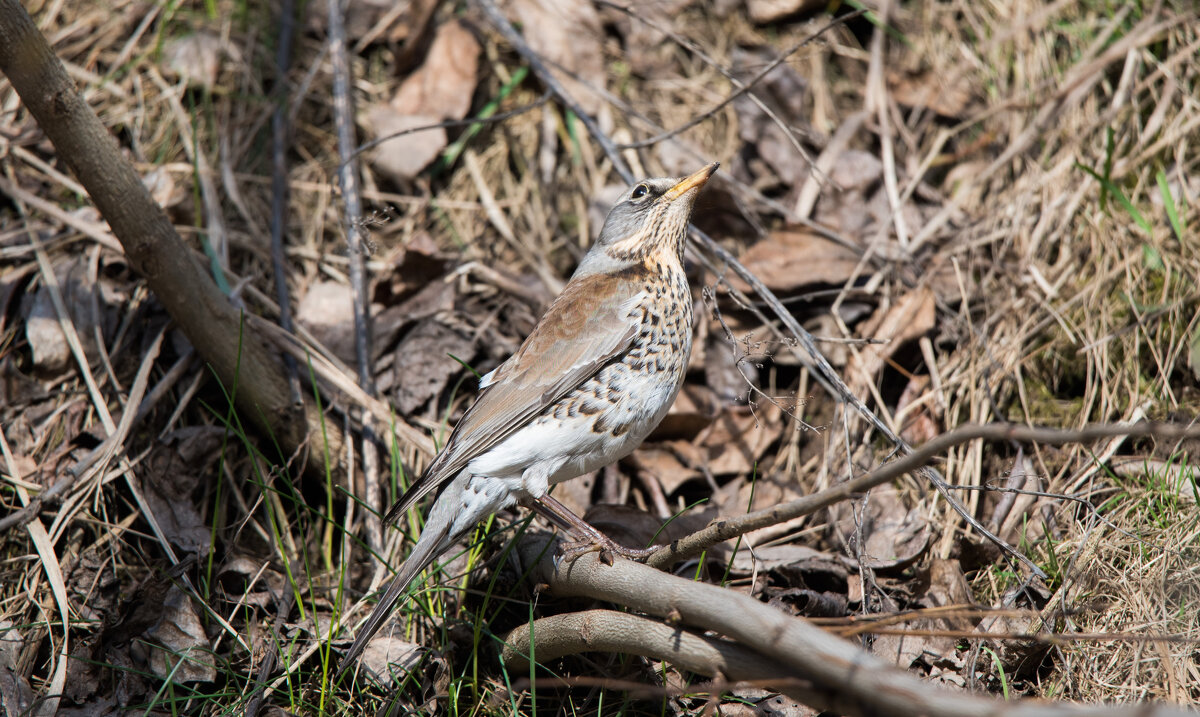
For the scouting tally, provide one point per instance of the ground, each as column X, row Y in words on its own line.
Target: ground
column 984, row 212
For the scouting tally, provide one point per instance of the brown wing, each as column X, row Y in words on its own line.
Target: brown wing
column 587, row 326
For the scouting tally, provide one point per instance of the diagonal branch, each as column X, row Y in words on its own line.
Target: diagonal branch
column 844, row 679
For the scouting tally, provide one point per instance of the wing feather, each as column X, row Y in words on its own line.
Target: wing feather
column 587, row 326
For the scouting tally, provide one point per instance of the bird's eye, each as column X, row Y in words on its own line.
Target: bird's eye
column 639, row 191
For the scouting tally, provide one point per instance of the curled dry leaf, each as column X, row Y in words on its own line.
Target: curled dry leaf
column 440, row 89
column 266, row 591
column 188, row 656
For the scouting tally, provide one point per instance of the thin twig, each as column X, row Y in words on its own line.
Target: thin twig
column 724, row 529
column 742, row 89
column 343, row 112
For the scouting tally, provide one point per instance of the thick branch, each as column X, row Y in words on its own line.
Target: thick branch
column 845, row 679
column 550, row 638
column 723, row 529
column 243, row 364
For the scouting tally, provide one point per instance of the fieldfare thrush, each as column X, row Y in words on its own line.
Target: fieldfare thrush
column 598, row 373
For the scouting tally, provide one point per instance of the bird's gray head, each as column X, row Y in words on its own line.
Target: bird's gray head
column 649, row 219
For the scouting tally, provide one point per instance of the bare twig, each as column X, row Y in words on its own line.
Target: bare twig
column 550, row 638
column 724, row 529
column 343, row 112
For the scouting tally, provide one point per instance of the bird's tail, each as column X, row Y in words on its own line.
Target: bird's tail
column 435, row 540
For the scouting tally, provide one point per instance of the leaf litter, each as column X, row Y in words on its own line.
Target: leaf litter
column 1012, row 295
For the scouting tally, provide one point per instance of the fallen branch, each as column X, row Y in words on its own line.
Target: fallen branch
column 843, row 678
column 550, row 638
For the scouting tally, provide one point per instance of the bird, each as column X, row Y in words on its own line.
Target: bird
column 598, row 372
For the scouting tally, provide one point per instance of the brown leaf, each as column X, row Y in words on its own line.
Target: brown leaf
column 16, row 696
column 423, row 364
column 892, row 535
column 662, row 463
column 788, row 260
column 569, row 34
column 911, row 316
column 439, row 89
column 921, row 424
column 694, row 410
column 739, row 438
column 172, row 471
column 188, row 656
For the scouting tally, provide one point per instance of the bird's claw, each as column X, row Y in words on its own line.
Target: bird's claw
column 607, row 548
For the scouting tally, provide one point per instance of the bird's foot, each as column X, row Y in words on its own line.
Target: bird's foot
column 607, row 548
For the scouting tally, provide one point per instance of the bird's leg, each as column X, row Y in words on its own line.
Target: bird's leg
column 587, row 538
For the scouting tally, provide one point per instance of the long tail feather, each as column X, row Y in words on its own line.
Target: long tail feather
column 435, row 539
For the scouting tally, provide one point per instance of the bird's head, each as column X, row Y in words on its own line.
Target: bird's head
column 650, row 219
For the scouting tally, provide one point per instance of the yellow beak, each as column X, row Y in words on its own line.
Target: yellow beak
column 690, row 182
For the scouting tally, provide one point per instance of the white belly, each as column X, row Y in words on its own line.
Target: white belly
column 552, row 449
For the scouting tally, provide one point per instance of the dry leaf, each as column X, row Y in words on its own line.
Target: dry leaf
column 389, row 659
column 921, row 424
column 788, row 260
column 172, row 472
column 47, row 342
column 195, row 58
column 738, row 439
column 438, row 90
column 327, row 311
column 664, row 465
column 188, row 655
column 892, row 535
column 784, row 91
column 908, row 318
column 569, row 34
column 423, row 362
column 16, row 696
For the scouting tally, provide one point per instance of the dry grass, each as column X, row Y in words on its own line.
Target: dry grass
column 1059, row 300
